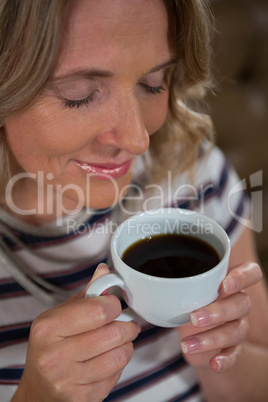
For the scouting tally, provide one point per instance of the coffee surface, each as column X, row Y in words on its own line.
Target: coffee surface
column 171, row 256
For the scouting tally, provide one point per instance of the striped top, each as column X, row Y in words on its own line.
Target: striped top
column 157, row 371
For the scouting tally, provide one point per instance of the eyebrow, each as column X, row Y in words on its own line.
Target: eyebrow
column 162, row 66
column 103, row 73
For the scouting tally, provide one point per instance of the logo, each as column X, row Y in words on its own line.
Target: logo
column 254, row 190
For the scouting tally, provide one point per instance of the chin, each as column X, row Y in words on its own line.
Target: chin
column 105, row 200
column 105, row 194
column 100, row 195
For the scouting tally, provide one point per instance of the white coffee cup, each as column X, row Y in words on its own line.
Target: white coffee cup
column 161, row 301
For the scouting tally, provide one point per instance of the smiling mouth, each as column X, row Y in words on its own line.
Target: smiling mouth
column 106, row 171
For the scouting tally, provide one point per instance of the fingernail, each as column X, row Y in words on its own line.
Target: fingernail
column 190, row 345
column 101, row 266
column 200, row 318
column 220, row 363
column 230, row 284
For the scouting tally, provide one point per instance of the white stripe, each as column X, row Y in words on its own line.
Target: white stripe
column 18, row 310
column 167, row 388
column 7, row 392
column 13, row 355
column 152, row 354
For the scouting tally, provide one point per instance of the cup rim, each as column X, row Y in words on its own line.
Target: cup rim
column 226, row 242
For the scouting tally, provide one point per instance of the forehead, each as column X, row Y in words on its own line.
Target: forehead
column 98, row 31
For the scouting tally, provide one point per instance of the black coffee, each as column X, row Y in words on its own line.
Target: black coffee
column 171, row 256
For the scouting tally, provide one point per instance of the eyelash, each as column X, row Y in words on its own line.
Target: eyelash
column 153, row 90
column 71, row 103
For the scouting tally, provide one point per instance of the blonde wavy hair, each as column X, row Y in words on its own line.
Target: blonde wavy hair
column 30, row 33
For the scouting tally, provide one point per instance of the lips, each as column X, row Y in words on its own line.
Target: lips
column 106, row 171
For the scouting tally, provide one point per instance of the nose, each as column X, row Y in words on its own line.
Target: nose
column 126, row 129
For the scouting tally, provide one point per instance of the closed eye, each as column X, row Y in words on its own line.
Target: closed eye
column 153, row 90
column 76, row 103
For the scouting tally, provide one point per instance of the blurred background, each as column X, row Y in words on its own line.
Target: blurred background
column 239, row 104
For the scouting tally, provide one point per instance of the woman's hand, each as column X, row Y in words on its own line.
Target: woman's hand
column 77, row 351
column 214, row 337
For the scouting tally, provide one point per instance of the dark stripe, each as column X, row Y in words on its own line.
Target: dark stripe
column 74, row 277
column 34, row 240
column 223, row 178
column 14, row 289
column 10, row 375
column 6, row 289
column 207, row 192
column 15, row 334
column 147, row 380
column 149, row 333
column 187, row 394
column 238, row 213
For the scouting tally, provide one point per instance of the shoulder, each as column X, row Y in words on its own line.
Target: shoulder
column 222, row 191
column 212, row 188
column 213, row 167
column 217, row 191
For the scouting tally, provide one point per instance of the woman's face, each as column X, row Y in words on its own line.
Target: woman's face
column 106, row 96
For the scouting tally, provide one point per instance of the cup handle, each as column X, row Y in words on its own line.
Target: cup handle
column 106, row 282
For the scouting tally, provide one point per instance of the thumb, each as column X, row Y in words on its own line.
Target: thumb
column 101, row 270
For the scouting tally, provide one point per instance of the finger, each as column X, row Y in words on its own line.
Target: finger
column 224, row 336
column 100, row 368
column 229, row 309
column 226, row 360
column 74, row 318
column 241, row 277
column 101, row 270
column 105, row 365
column 87, row 345
column 76, row 387
column 200, row 360
column 55, row 366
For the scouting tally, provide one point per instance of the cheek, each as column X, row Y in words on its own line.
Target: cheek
column 156, row 114
column 20, row 139
column 37, row 142
column 42, row 133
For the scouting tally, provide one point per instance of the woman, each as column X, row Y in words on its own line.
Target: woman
column 85, row 86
